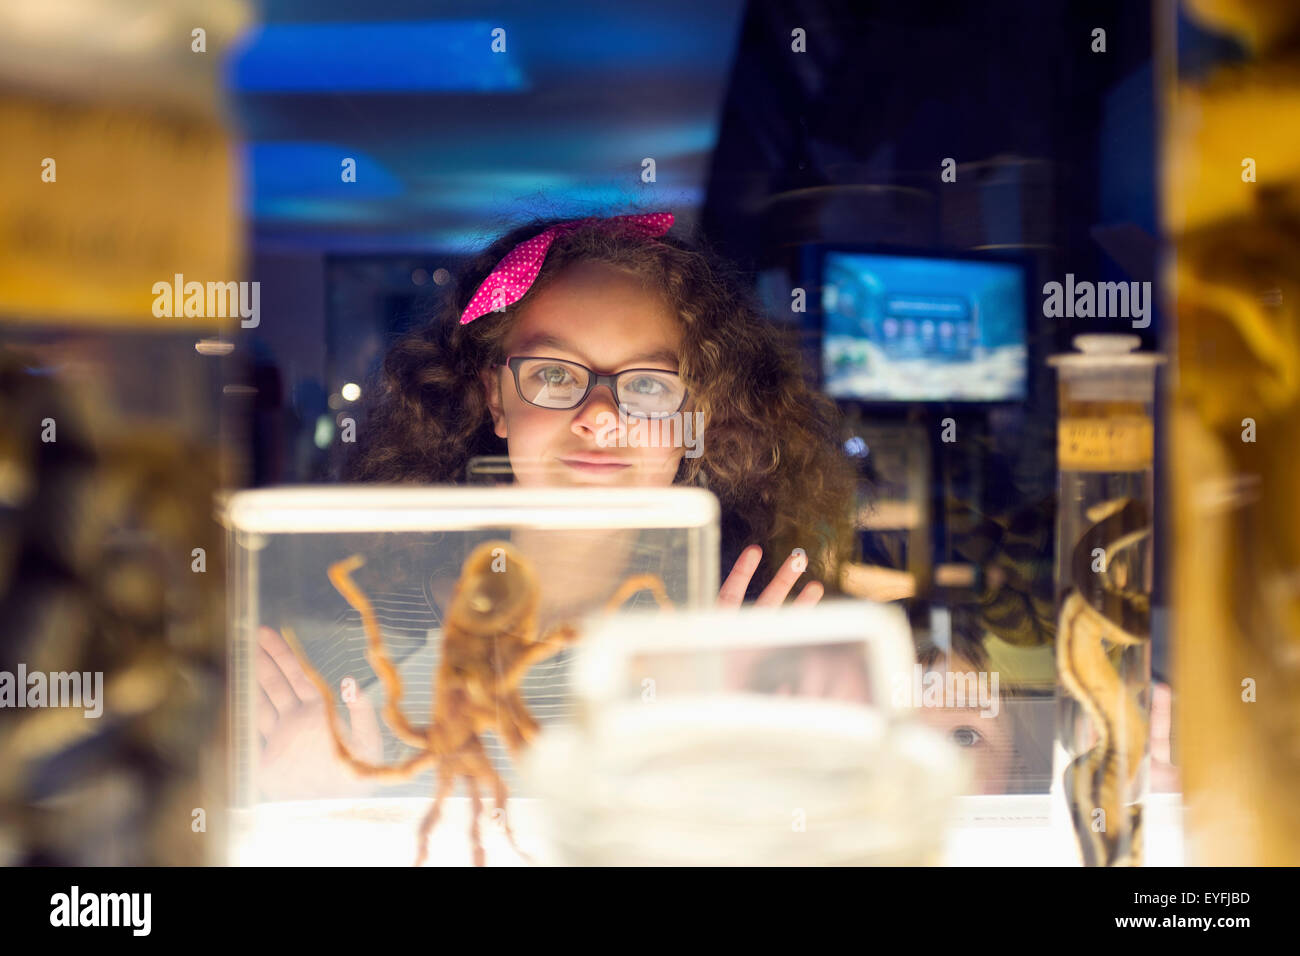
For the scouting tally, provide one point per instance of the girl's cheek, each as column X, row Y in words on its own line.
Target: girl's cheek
column 533, row 425
column 669, row 461
column 524, row 438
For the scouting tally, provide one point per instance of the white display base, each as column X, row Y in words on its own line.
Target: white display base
column 1015, row 830
column 991, row 830
column 379, row 831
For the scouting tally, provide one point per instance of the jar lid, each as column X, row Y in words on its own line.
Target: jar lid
column 1098, row 352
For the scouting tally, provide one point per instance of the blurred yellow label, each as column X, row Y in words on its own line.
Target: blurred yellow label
column 1105, row 444
column 98, row 203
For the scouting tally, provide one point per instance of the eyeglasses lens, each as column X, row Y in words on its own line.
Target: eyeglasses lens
column 550, row 383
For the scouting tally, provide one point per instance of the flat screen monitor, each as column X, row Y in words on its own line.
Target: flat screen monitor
column 909, row 328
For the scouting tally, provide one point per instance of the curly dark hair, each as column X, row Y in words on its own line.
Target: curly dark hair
column 772, row 452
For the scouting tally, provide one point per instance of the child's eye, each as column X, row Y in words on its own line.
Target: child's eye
column 966, row 737
column 645, row 385
column 554, row 375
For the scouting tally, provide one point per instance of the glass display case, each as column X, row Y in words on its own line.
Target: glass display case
column 426, row 629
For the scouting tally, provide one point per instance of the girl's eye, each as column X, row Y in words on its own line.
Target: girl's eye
column 645, row 385
column 554, row 375
column 966, row 736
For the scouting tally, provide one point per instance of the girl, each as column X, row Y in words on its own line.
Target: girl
column 556, row 340
column 611, row 295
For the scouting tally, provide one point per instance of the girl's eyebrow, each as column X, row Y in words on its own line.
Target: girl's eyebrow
column 546, row 340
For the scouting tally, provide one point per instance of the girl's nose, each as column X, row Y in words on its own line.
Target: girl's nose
column 602, row 397
column 599, row 414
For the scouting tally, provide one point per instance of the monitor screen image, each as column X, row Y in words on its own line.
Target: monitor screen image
column 914, row 329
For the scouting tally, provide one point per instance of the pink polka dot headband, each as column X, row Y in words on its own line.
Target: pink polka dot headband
column 518, row 269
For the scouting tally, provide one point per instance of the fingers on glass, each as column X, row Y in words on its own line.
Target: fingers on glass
column 278, row 649
column 272, row 680
column 733, row 589
column 784, row 579
column 266, row 715
column 811, row 594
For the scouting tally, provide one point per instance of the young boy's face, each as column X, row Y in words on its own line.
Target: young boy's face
column 601, row 317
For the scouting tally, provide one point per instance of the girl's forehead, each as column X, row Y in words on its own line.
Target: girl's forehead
column 602, row 281
column 600, row 313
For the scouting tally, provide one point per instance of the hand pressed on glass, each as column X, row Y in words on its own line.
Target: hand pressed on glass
column 733, row 589
column 297, row 759
column 809, row 672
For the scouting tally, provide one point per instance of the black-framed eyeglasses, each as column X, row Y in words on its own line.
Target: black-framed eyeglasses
column 561, row 385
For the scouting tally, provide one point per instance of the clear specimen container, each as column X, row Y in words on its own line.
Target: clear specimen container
column 340, row 580
column 1104, row 572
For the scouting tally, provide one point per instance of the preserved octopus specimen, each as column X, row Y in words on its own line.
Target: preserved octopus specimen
column 490, row 641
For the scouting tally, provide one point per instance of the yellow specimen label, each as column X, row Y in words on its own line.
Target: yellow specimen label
column 1105, row 444
column 100, row 202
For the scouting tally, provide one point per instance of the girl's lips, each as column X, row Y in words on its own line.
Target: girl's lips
column 595, row 466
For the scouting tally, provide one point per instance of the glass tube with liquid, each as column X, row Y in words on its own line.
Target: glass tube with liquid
column 1104, row 574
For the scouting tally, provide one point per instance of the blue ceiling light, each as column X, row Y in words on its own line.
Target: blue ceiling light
column 314, row 170
column 440, row 159
column 321, row 212
column 395, row 57
column 684, row 36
